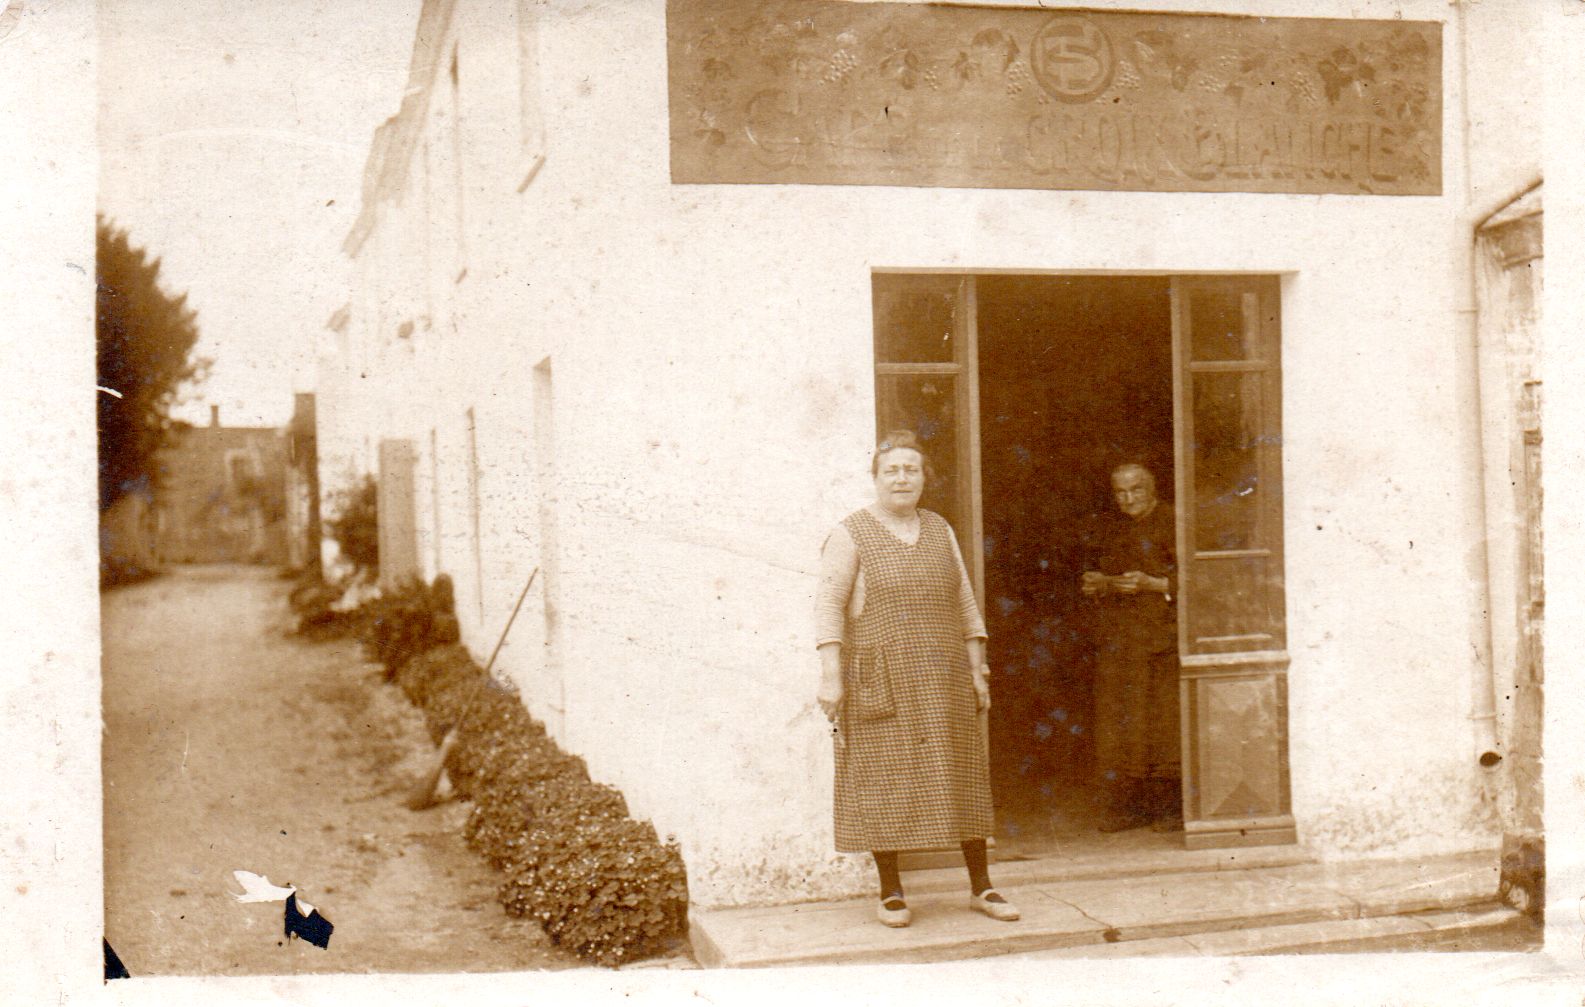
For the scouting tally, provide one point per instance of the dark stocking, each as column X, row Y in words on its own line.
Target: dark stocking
column 891, row 878
column 974, row 857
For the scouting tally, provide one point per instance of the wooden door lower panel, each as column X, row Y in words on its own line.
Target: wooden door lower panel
column 1235, row 756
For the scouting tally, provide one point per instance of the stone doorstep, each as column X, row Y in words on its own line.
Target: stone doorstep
column 1088, row 864
column 1323, row 937
column 943, row 929
column 1398, row 887
column 1106, row 864
column 1140, row 910
column 1486, row 927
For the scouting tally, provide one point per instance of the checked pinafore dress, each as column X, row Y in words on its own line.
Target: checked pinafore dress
column 911, row 767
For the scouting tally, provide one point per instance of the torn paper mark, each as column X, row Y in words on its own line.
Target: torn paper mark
column 257, row 888
column 113, row 967
column 108, row 391
column 303, row 920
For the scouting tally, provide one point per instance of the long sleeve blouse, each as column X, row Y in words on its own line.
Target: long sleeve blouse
column 840, row 594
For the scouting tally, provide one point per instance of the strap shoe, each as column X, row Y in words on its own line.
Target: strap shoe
column 991, row 903
column 897, row 916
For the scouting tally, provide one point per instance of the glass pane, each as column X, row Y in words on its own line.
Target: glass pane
column 1232, row 604
column 1227, row 443
column 927, row 405
column 1224, row 324
column 914, row 318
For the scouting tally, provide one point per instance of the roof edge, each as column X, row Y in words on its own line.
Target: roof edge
column 391, row 147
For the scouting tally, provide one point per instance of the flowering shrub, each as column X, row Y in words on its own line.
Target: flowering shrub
column 600, row 883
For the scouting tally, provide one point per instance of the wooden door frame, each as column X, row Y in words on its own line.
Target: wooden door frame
column 1204, row 677
column 1213, row 669
column 969, row 448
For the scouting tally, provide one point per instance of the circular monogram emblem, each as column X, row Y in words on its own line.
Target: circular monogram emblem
column 1072, row 58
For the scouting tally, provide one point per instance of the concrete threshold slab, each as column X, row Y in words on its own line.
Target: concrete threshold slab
column 1170, row 905
column 1166, row 912
column 1102, row 863
column 943, row 929
column 1463, row 930
column 1389, row 887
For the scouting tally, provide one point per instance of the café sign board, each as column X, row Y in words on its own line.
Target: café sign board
column 836, row 92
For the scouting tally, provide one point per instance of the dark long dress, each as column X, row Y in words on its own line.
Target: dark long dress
column 911, row 765
column 1136, row 659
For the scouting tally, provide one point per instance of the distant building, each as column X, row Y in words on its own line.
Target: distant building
column 636, row 285
column 221, row 495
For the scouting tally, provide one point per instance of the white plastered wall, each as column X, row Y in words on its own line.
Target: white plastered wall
column 710, row 347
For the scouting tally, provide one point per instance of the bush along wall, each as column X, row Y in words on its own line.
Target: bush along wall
column 600, row 883
column 401, row 624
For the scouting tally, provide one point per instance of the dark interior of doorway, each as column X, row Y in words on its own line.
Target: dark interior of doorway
column 1075, row 378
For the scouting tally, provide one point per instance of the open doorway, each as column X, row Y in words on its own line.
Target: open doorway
column 1027, row 391
column 1075, row 379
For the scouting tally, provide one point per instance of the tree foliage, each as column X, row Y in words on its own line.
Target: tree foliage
column 145, row 340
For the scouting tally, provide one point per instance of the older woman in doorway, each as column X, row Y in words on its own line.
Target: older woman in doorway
column 1130, row 575
column 903, row 679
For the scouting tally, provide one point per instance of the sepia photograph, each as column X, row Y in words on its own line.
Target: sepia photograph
column 635, row 492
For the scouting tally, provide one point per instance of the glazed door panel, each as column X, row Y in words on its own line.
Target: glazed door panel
column 927, row 381
column 1232, row 635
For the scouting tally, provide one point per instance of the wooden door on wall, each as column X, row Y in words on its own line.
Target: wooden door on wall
column 398, row 525
column 1232, row 636
column 927, row 381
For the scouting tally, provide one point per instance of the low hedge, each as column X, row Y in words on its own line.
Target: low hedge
column 313, row 601
column 401, row 624
column 394, row 626
column 600, row 883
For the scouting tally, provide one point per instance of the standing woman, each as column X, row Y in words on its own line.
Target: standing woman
column 903, row 680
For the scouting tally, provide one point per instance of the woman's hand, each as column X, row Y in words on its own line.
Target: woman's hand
column 1135, row 582
column 829, row 695
column 982, row 686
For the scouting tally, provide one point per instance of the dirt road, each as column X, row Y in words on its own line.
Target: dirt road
column 229, row 745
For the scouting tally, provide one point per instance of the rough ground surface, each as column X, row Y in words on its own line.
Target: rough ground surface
column 231, row 745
